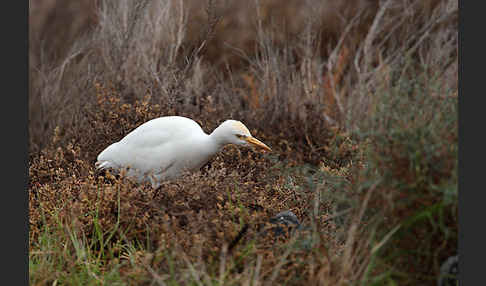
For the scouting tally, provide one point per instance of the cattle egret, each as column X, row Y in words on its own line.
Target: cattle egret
column 164, row 148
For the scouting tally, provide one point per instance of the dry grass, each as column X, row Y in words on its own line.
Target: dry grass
column 358, row 100
column 198, row 214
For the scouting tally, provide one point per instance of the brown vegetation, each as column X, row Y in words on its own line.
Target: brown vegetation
column 357, row 100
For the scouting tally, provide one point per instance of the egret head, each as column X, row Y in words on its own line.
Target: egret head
column 235, row 132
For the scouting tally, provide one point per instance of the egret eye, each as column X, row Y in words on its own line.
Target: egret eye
column 240, row 136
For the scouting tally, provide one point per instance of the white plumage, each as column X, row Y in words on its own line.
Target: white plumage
column 165, row 147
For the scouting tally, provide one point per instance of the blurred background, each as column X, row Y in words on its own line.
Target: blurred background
column 292, row 56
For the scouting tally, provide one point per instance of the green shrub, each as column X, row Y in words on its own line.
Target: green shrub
column 412, row 154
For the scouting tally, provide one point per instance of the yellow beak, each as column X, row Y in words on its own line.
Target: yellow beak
column 257, row 143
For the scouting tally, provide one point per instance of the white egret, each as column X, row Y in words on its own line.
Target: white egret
column 165, row 147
